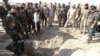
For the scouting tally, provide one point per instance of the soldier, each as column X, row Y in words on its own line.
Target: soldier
column 7, row 8
column 23, row 5
column 66, row 8
column 78, row 16
column 23, row 20
column 58, row 11
column 41, row 13
column 92, row 22
column 14, row 30
column 51, row 14
column 2, row 12
column 84, row 15
column 71, row 16
column 46, row 13
column 55, row 6
column 29, row 13
column 62, row 15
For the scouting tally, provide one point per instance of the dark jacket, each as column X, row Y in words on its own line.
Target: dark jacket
column 12, row 25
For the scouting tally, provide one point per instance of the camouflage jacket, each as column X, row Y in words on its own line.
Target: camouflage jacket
column 12, row 25
column 93, row 19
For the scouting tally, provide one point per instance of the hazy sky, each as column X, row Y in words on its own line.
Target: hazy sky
column 95, row 2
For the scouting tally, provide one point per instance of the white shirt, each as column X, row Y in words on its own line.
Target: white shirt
column 36, row 17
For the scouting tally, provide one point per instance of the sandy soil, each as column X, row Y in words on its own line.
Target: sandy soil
column 55, row 41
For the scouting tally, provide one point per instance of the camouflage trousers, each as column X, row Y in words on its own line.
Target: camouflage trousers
column 91, row 33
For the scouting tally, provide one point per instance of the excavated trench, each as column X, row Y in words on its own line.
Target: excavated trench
column 55, row 41
column 47, row 44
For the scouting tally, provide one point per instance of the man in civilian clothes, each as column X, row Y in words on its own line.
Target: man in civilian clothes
column 36, row 21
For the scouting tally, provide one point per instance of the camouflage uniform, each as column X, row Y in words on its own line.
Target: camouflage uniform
column 41, row 16
column 92, row 23
column 15, row 30
column 62, row 15
column 2, row 12
column 58, row 12
column 23, row 20
column 29, row 14
column 5, row 8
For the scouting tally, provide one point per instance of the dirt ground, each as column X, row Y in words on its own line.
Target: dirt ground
column 47, row 44
column 51, row 42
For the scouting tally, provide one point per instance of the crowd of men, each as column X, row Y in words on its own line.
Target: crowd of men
column 19, row 21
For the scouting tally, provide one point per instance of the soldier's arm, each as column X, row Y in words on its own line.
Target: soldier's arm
column 94, row 22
